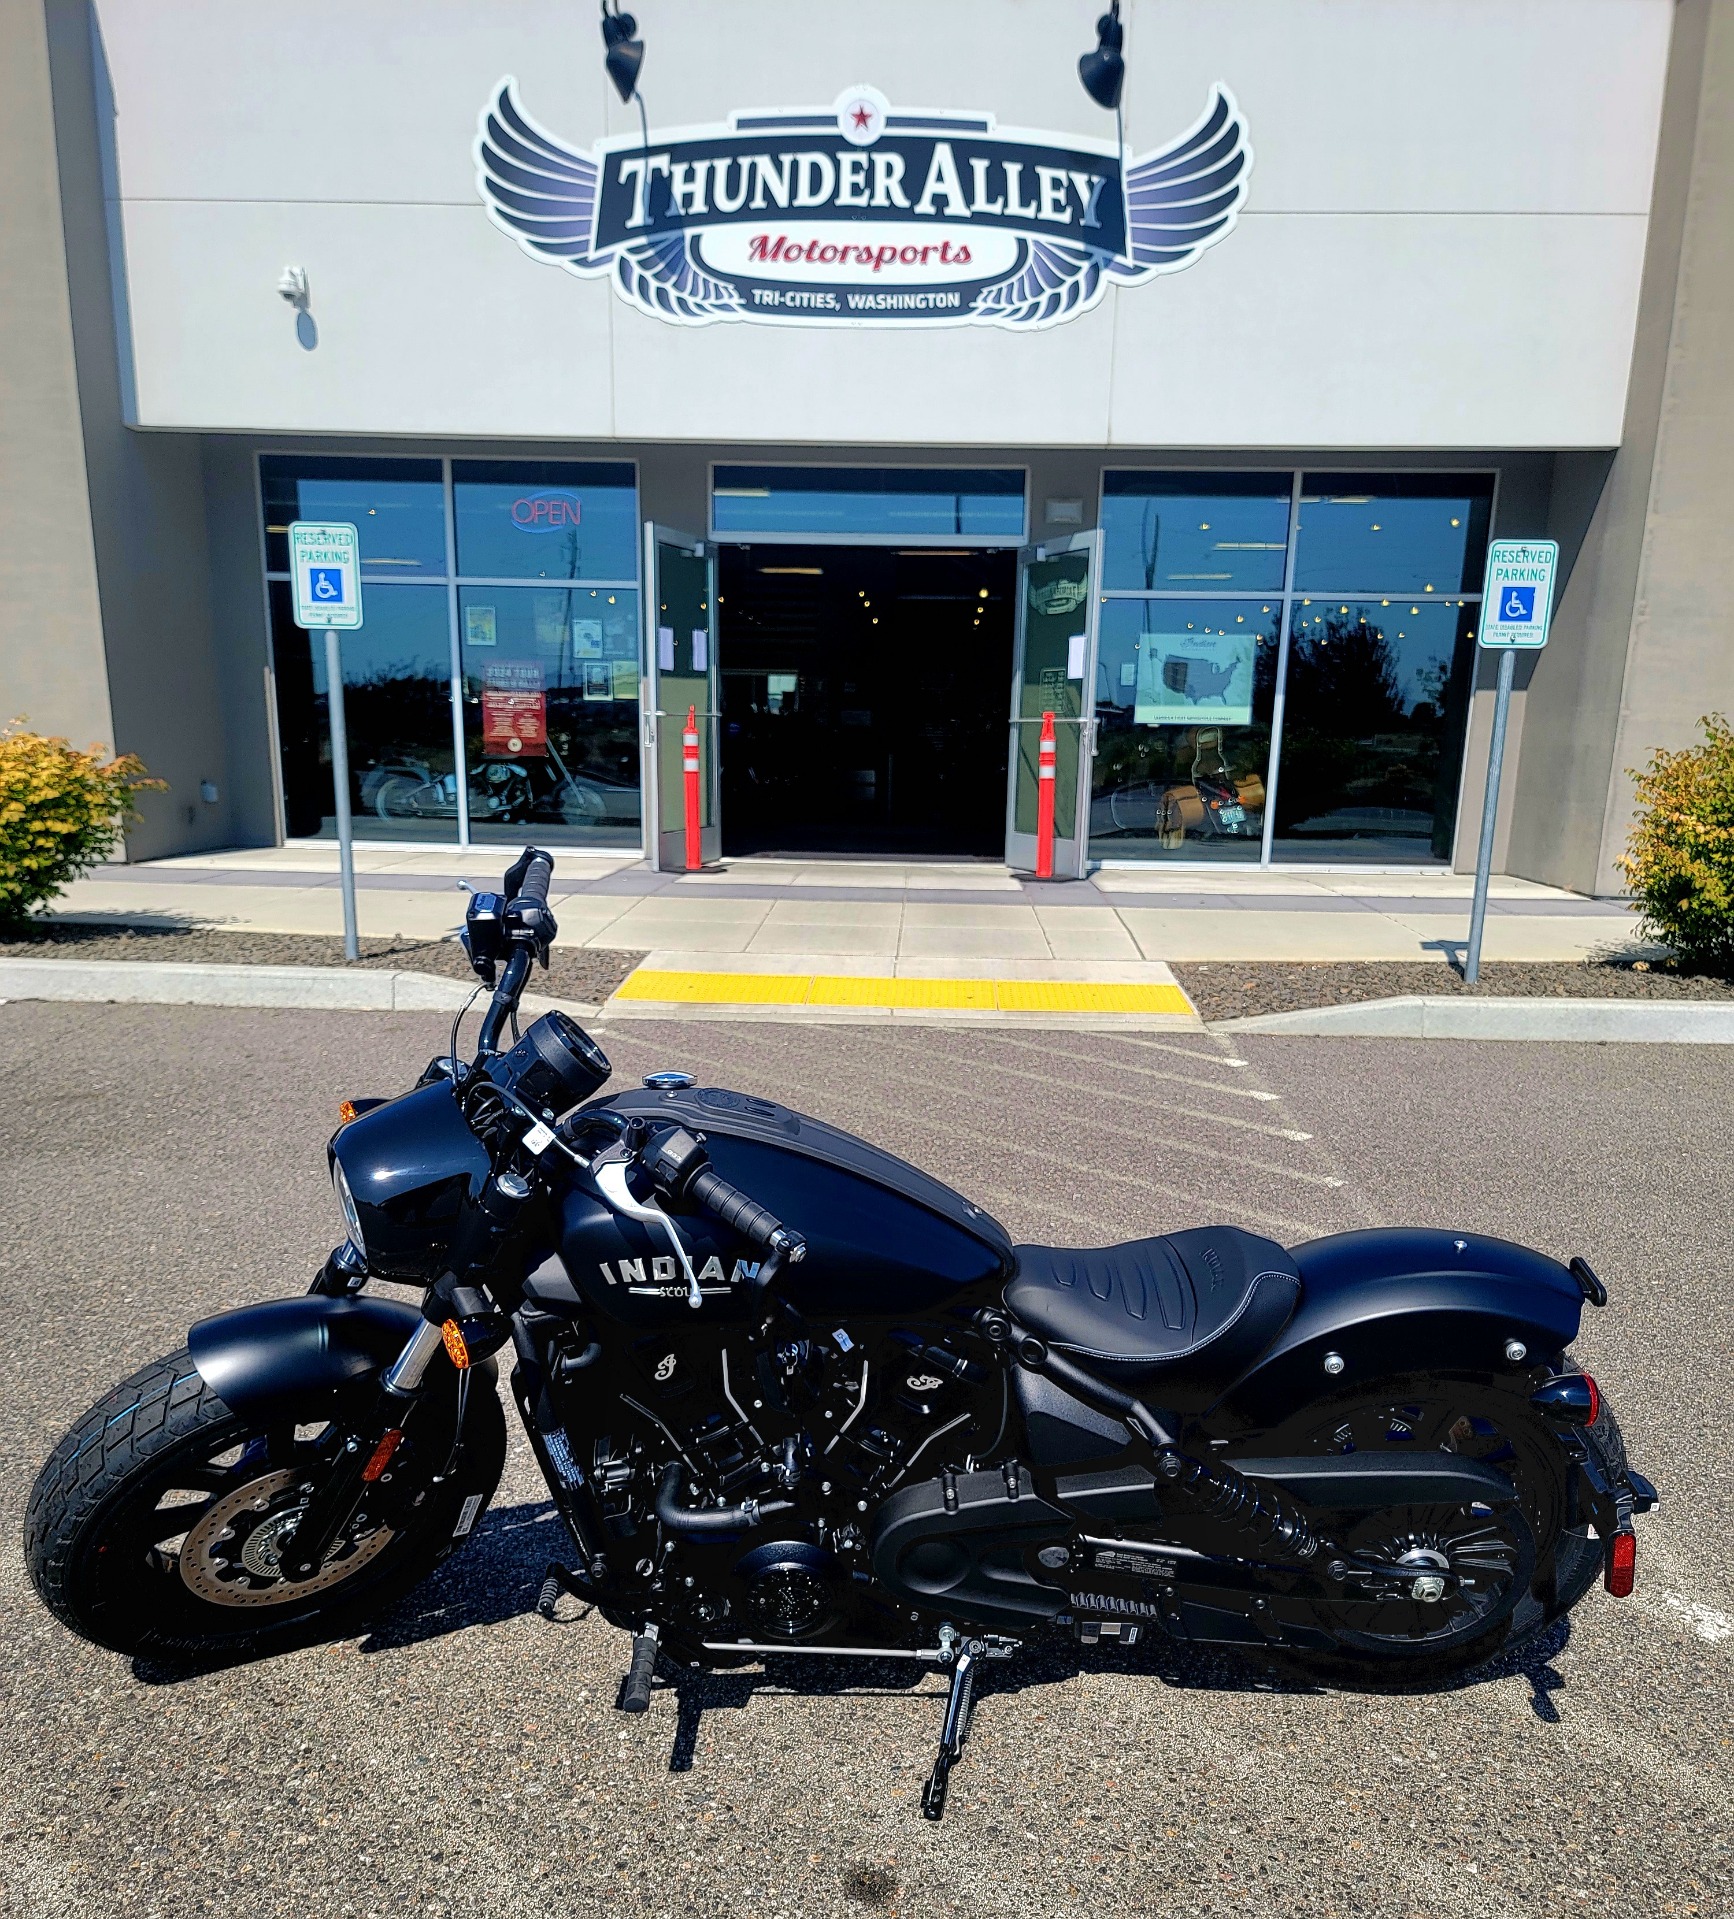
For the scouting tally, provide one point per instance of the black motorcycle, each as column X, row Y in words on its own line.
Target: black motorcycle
column 789, row 1393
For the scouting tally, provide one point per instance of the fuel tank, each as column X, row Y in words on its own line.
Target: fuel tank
column 883, row 1238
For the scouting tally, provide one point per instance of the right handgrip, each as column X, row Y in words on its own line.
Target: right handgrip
column 528, row 876
column 743, row 1215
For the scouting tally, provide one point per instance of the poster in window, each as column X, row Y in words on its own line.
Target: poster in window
column 625, row 679
column 598, row 680
column 1195, row 679
column 480, row 627
column 514, row 712
column 587, row 639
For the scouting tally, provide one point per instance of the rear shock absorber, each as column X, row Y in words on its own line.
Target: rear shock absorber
column 1211, row 1487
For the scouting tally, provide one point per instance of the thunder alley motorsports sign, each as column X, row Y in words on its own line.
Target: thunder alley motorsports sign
column 862, row 215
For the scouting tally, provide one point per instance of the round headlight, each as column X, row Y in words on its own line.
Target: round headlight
column 351, row 1215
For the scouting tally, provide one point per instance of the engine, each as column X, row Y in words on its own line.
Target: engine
column 738, row 1484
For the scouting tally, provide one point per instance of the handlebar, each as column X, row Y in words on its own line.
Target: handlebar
column 527, row 929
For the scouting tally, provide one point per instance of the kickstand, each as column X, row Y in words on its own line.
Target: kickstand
column 955, row 1731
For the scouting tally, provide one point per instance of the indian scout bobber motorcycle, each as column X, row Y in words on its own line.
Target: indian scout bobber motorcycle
column 789, row 1393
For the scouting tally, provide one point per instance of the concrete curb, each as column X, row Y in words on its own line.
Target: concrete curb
column 1658, row 1022
column 171, row 983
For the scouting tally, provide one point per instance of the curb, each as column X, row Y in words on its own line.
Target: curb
column 174, row 983
column 1413, row 1016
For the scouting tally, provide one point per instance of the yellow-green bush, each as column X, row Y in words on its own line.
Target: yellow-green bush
column 61, row 812
column 1679, row 858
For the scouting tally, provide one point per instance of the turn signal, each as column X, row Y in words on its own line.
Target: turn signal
column 345, row 1112
column 1622, row 1569
column 453, row 1335
column 382, row 1456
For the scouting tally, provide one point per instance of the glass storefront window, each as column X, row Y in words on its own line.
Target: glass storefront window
column 842, row 502
column 1372, row 745
column 550, row 679
column 1195, row 532
column 397, row 698
column 1382, row 533
column 1183, row 705
column 545, row 520
column 397, row 507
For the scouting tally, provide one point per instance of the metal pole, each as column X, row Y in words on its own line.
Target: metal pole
column 340, row 785
column 1489, row 815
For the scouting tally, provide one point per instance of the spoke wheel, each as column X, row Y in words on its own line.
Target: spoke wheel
column 1486, row 1575
column 160, row 1520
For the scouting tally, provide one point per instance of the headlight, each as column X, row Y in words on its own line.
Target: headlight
column 351, row 1216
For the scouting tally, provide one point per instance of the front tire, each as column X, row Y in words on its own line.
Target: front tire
column 155, row 1524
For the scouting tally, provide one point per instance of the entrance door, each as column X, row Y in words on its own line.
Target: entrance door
column 1055, row 672
column 680, row 673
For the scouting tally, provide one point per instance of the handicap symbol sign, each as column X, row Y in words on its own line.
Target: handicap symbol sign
column 326, row 584
column 1518, row 604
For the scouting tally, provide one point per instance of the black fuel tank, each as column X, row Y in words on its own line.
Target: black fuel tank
column 882, row 1237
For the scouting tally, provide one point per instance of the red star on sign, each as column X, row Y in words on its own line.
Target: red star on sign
column 863, row 115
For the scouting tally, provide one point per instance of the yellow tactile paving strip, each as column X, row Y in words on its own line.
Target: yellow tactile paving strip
column 848, row 989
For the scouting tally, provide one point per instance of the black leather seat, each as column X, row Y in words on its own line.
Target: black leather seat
column 1179, row 1319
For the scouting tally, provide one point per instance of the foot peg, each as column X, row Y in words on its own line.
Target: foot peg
column 560, row 1579
column 635, row 1687
column 958, row 1707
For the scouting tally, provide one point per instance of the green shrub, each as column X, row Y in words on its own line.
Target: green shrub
column 1679, row 859
column 61, row 812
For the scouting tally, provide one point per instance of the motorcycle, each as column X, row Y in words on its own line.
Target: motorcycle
column 792, row 1394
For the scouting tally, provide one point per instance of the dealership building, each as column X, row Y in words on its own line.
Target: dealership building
column 875, row 396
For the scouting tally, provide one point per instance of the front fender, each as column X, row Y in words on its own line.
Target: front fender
column 1404, row 1300
column 303, row 1357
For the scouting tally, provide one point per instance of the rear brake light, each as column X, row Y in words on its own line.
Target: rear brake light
column 1622, row 1569
column 1571, row 1399
column 1595, row 1400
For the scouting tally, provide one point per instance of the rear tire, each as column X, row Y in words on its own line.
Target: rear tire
column 152, row 1527
column 1547, row 1567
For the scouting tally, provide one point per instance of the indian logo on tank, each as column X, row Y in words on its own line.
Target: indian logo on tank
column 861, row 213
column 662, row 1278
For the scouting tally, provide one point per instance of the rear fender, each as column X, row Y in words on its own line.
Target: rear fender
column 309, row 1357
column 1405, row 1300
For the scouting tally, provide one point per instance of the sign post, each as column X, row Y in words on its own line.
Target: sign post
column 324, row 558
column 1516, row 606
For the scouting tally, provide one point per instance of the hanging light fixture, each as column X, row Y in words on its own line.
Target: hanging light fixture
column 625, row 53
column 1103, row 72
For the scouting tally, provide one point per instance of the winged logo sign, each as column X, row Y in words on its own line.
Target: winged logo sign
column 862, row 214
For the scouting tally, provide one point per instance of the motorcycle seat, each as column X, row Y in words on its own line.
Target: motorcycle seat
column 1178, row 1318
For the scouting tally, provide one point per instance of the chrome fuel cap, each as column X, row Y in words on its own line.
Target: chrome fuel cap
column 669, row 1082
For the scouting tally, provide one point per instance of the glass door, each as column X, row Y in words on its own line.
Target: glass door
column 1054, row 672
column 680, row 674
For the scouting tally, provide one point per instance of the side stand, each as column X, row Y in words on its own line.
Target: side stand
column 955, row 1731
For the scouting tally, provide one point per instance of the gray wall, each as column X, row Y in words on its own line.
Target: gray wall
column 1644, row 632
column 145, row 492
column 51, row 658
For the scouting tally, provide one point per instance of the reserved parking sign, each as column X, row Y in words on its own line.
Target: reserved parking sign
column 1517, row 601
column 324, row 558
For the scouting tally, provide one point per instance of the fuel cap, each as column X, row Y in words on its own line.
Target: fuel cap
column 669, row 1082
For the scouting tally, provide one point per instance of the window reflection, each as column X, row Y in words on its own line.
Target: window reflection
column 397, row 508
column 1372, row 745
column 1420, row 533
column 1201, row 532
column 898, row 502
column 397, row 700
column 545, row 519
column 551, row 711
column 1183, row 703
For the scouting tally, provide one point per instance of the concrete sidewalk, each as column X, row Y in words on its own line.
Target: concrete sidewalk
column 899, row 920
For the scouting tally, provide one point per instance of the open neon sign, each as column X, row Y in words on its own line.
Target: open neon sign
column 545, row 512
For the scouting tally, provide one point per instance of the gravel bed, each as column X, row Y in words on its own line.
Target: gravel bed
column 1232, row 989
column 574, row 972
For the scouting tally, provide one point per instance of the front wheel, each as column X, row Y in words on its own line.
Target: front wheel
column 157, row 1524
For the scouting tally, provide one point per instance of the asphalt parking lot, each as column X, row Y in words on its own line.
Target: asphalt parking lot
column 464, row 1757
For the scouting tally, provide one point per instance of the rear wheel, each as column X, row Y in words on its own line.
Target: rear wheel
column 1490, row 1579
column 158, row 1523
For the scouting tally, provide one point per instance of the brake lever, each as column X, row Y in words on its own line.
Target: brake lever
column 610, row 1176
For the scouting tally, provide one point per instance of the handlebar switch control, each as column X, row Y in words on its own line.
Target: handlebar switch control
column 675, row 1159
column 484, row 933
